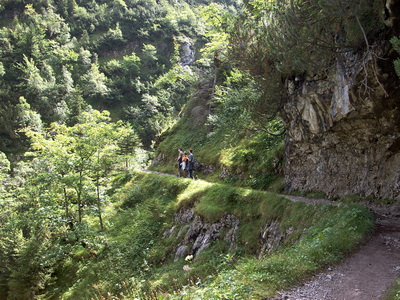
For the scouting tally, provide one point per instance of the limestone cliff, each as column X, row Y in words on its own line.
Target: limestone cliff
column 344, row 128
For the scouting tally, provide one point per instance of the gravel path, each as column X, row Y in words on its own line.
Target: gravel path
column 365, row 275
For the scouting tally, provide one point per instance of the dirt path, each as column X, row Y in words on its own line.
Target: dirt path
column 364, row 275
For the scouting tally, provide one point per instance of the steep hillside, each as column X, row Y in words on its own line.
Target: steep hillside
column 136, row 59
column 199, row 238
column 237, row 156
column 280, row 96
column 340, row 108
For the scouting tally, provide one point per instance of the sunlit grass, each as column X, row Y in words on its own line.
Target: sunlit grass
column 137, row 252
column 192, row 193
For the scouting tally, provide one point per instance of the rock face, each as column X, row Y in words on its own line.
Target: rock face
column 344, row 130
column 194, row 234
column 187, row 54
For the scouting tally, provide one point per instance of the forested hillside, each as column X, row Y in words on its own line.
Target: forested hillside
column 274, row 97
column 134, row 58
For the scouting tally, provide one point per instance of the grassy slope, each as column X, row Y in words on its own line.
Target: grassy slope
column 138, row 262
column 252, row 159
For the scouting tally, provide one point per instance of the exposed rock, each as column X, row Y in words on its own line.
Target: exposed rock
column 227, row 172
column 182, row 251
column 271, row 237
column 184, row 215
column 198, row 116
column 344, row 138
column 194, row 234
column 205, row 169
column 392, row 15
column 169, row 232
column 230, row 236
column 187, row 54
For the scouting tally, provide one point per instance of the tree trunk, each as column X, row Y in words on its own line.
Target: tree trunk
column 67, row 217
column 79, row 194
column 99, row 205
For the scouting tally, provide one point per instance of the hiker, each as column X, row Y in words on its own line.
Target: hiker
column 184, row 164
column 190, row 165
column 179, row 160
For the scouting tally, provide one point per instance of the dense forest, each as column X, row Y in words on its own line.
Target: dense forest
column 91, row 91
column 134, row 58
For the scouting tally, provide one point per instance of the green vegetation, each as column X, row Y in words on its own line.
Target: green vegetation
column 229, row 139
column 312, row 195
column 396, row 46
column 255, row 279
column 77, row 222
column 359, row 199
column 394, row 292
column 136, row 251
column 135, row 58
column 131, row 258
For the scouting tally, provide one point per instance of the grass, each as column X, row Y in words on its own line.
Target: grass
column 394, row 292
column 245, row 159
column 323, row 244
column 370, row 199
column 254, row 160
column 308, row 194
column 138, row 262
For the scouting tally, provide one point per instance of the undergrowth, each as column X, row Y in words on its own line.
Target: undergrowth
column 324, row 243
column 394, row 292
column 138, row 262
column 252, row 160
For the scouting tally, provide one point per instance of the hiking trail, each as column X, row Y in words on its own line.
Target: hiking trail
column 366, row 274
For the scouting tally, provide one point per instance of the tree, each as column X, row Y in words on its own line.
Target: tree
column 95, row 82
column 275, row 40
column 128, row 144
column 242, row 106
column 80, row 155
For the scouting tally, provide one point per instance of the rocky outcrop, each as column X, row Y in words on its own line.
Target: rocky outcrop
column 271, row 237
column 194, row 234
column 344, row 130
column 187, row 54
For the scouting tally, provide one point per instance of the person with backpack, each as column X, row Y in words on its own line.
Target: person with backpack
column 190, row 163
column 179, row 160
column 184, row 164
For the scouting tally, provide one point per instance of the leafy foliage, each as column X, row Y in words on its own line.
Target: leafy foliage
column 275, row 40
column 80, row 154
column 62, row 56
column 136, row 253
column 68, row 230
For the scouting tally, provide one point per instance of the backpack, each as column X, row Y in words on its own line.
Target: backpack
column 193, row 162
